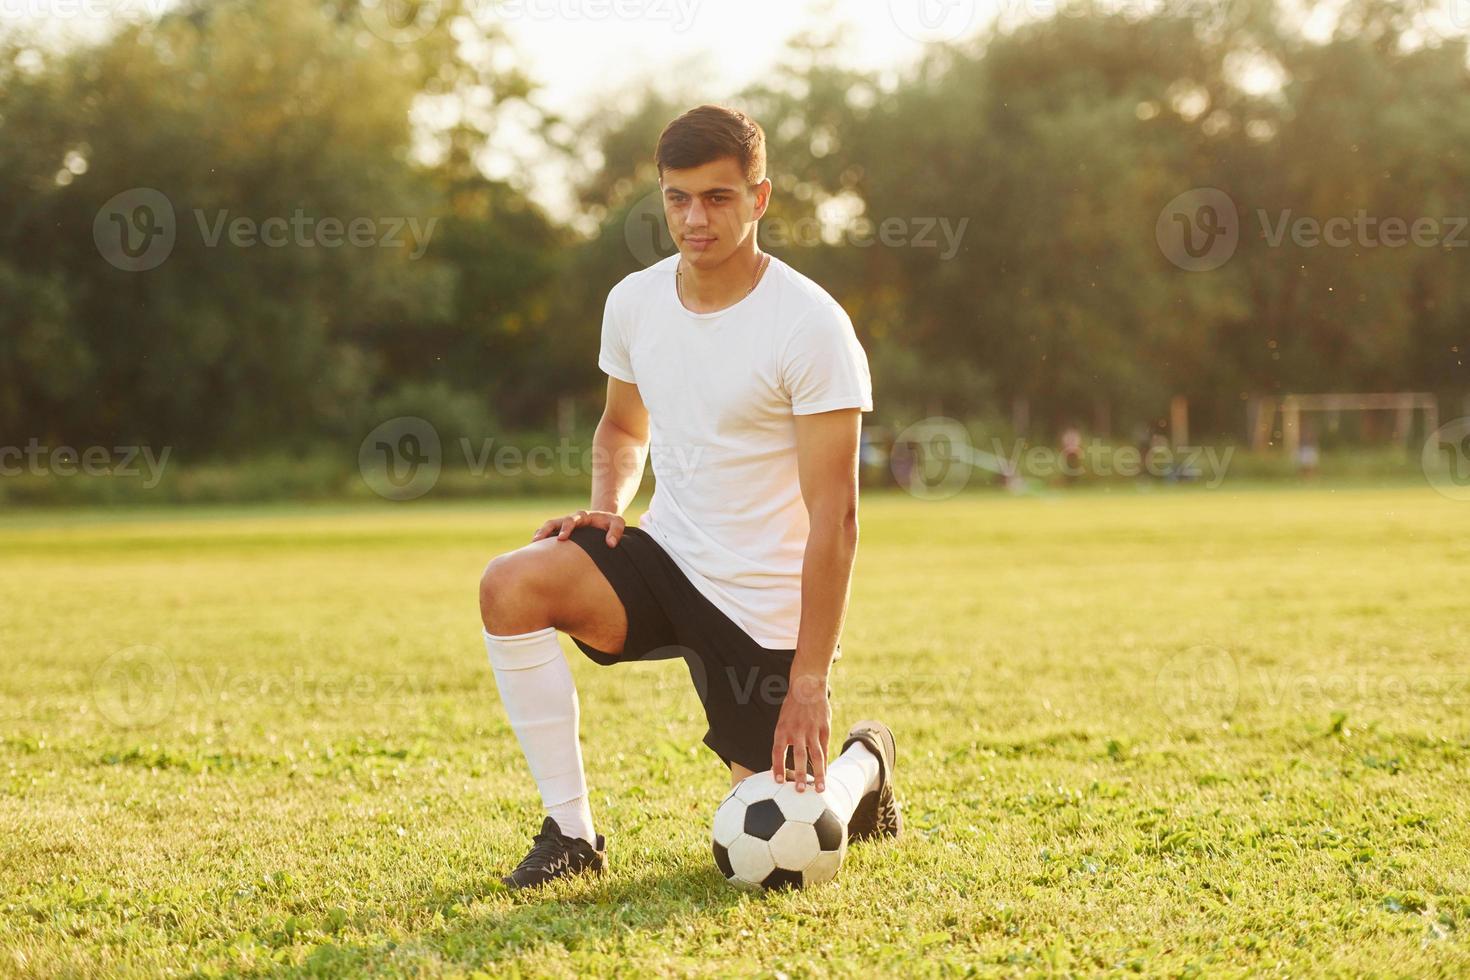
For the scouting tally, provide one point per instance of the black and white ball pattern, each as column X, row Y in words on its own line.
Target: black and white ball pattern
column 767, row 835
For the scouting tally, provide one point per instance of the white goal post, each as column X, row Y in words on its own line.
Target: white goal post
column 1262, row 414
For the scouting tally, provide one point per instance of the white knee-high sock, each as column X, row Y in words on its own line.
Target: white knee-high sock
column 850, row 778
column 540, row 699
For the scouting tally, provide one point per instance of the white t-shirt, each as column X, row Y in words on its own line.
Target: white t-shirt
column 722, row 390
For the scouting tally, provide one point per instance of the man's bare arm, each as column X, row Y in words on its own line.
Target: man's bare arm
column 827, row 459
column 619, row 450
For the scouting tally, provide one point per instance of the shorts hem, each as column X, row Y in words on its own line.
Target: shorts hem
column 729, row 752
column 640, row 606
column 600, row 657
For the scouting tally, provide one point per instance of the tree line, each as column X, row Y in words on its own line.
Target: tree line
column 1087, row 215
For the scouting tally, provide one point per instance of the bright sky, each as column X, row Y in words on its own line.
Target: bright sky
column 581, row 46
column 579, row 50
column 731, row 42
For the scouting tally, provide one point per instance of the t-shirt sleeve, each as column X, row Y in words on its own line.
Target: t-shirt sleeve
column 824, row 367
column 613, row 358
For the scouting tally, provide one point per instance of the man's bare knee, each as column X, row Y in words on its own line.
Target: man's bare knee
column 551, row 583
column 508, row 597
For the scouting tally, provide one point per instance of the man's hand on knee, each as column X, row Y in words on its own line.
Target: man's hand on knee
column 563, row 527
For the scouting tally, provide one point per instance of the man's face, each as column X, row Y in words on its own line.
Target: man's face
column 711, row 210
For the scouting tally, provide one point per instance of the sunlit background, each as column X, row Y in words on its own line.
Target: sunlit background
column 250, row 234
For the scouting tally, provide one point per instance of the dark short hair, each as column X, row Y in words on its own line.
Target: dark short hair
column 713, row 132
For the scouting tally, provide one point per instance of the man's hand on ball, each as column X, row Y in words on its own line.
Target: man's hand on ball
column 804, row 726
column 562, row 527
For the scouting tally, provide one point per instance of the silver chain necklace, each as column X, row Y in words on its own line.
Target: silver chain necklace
column 759, row 268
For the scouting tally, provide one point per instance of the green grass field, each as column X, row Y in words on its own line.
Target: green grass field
column 1170, row 733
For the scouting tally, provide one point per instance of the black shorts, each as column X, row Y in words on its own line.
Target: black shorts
column 741, row 683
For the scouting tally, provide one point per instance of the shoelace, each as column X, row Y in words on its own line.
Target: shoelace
column 545, row 850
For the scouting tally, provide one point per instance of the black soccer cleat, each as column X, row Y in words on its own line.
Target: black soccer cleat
column 877, row 814
column 555, row 855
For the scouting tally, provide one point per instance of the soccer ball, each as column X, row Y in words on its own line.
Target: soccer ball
column 767, row 835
